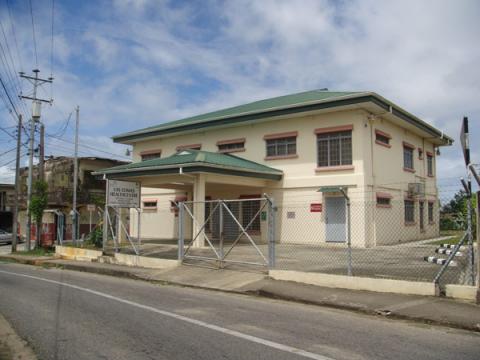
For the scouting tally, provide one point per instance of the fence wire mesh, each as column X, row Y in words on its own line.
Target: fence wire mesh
column 407, row 239
column 392, row 235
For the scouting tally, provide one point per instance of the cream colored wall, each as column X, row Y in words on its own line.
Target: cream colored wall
column 159, row 223
column 388, row 162
column 376, row 168
column 299, row 172
column 388, row 176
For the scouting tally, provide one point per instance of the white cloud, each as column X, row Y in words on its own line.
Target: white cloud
column 138, row 63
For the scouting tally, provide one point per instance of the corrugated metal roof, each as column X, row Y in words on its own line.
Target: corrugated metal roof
column 253, row 107
column 194, row 157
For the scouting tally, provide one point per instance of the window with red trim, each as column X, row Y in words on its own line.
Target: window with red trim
column 407, row 157
column 149, row 204
column 430, row 212
column 382, row 138
column 231, row 146
column 429, row 164
column 334, row 148
column 150, row 156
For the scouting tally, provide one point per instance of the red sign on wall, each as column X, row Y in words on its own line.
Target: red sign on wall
column 316, row 207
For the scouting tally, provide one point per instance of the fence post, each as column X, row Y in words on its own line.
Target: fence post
column 105, row 229
column 139, row 214
column 471, row 260
column 180, row 230
column 478, row 247
column 271, row 233
column 349, row 240
column 220, row 225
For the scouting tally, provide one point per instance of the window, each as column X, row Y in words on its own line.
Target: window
column 430, row 212
column 149, row 204
column 408, row 157
column 231, row 145
column 189, row 147
column 334, row 148
column 420, row 153
column 249, row 210
column 383, row 200
column 150, row 156
column 282, row 146
column 429, row 164
column 409, row 206
column 382, row 138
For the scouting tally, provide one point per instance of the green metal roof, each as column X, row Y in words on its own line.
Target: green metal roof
column 281, row 106
column 254, row 107
column 196, row 161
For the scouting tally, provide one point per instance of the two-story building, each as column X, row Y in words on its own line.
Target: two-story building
column 289, row 147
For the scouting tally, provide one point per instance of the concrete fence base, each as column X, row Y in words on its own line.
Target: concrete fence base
column 72, row 253
column 144, row 261
column 356, row 283
column 463, row 292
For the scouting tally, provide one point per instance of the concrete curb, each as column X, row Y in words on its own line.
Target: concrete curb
column 362, row 310
column 261, row 292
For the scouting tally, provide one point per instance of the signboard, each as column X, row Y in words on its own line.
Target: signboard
column 123, row 194
column 316, row 207
column 464, row 141
column 91, row 207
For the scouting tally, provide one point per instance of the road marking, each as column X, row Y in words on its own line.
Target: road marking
column 272, row 344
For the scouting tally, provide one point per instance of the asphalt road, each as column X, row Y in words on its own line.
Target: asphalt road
column 72, row 315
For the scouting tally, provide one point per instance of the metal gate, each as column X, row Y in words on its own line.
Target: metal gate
column 240, row 231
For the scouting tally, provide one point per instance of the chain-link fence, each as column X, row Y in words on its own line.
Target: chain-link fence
column 380, row 235
column 391, row 233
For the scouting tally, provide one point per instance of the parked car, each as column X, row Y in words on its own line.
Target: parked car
column 7, row 237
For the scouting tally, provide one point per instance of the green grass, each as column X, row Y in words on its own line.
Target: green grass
column 456, row 236
column 36, row 252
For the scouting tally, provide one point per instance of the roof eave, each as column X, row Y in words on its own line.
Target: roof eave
column 186, row 165
column 351, row 99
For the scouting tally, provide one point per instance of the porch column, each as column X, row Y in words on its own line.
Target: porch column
column 199, row 209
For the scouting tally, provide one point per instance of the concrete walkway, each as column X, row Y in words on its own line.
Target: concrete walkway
column 432, row 310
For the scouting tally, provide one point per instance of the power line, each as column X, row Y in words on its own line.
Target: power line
column 11, row 161
column 33, row 33
column 8, row 95
column 64, row 128
column 51, row 45
column 88, row 147
column 8, row 151
column 10, row 70
column 14, row 34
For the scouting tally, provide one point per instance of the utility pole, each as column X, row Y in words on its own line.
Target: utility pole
column 29, row 184
column 17, row 186
column 75, row 180
column 41, row 154
column 36, row 109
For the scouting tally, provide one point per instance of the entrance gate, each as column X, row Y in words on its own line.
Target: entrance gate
column 233, row 231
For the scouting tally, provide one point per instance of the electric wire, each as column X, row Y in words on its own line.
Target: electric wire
column 33, row 33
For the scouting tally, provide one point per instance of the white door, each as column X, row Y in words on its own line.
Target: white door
column 335, row 219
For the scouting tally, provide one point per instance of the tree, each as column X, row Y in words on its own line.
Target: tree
column 38, row 204
column 453, row 215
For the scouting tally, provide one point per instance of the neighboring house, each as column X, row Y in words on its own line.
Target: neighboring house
column 57, row 221
column 7, row 196
column 288, row 147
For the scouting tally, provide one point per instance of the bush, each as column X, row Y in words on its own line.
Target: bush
column 96, row 238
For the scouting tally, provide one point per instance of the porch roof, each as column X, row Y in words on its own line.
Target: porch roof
column 194, row 161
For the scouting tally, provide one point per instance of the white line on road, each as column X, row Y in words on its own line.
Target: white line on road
column 217, row 328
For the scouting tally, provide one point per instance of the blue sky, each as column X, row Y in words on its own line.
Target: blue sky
column 130, row 64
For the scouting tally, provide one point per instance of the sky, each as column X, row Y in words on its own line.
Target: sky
column 131, row 64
